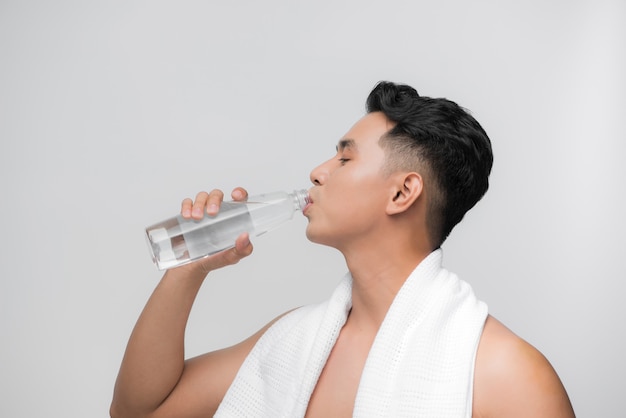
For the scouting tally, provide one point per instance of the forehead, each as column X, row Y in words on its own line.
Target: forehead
column 366, row 131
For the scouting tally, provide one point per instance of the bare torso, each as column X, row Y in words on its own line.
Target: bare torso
column 336, row 389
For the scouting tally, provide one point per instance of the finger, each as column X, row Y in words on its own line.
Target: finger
column 214, row 201
column 185, row 208
column 243, row 248
column 197, row 209
column 239, row 193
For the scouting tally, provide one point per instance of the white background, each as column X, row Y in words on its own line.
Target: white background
column 112, row 112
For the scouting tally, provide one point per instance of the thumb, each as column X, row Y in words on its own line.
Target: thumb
column 243, row 248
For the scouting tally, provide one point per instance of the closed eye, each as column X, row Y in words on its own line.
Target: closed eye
column 343, row 160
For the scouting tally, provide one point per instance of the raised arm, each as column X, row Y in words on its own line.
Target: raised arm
column 154, row 379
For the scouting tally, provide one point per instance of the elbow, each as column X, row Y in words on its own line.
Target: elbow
column 119, row 411
column 116, row 412
column 113, row 411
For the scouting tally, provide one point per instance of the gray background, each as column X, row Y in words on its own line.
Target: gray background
column 112, row 112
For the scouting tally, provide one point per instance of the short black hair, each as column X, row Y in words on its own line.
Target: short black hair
column 441, row 138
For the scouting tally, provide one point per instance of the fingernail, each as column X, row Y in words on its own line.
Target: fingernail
column 186, row 213
column 196, row 212
column 212, row 208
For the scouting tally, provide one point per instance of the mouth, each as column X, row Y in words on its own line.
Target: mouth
column 309, row 202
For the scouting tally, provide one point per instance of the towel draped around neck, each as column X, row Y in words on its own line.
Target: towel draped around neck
column 421, row 363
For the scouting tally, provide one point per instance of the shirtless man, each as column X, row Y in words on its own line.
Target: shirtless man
column 383, row 205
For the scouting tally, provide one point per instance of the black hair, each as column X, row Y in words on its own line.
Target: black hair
column 445, row 141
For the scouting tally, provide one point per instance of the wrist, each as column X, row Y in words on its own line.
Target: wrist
column 194, row 271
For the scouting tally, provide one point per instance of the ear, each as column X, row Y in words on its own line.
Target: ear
column 405, row 191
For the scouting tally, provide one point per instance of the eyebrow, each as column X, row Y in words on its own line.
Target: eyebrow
column 346, row 144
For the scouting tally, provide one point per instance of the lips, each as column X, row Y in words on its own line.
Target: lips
column 309, row 202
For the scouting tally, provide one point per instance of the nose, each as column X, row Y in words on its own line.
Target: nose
column 319, row 174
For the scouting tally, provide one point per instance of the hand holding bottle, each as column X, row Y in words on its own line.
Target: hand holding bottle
column 209, row 204
column 209, row 225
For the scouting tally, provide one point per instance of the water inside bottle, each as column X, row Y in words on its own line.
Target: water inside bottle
column 179, row 241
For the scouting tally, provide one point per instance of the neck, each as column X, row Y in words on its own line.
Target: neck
column 378, row 273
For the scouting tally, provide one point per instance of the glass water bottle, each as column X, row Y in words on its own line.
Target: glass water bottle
column 177, row 241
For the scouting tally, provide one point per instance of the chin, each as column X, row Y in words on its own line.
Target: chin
column 310, row 235
column 317, row 237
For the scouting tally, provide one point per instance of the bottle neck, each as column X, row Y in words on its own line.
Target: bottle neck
column 300, row 198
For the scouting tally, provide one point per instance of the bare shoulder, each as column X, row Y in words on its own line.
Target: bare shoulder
column 513, row 379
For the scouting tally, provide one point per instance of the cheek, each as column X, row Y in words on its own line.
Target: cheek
column 359, row 208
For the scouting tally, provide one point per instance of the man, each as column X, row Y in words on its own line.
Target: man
column 400, row 336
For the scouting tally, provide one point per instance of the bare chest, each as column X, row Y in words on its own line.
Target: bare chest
column 336, row 389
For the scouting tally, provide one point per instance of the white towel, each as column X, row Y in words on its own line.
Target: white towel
column 420, row 365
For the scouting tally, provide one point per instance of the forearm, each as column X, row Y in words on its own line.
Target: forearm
column 154, row 358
